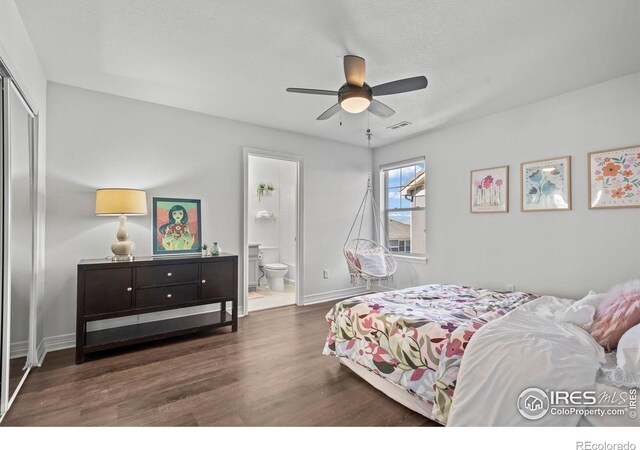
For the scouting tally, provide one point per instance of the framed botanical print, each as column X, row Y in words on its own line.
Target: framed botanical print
column 614, row 178
column 490, row 190
column 545, row 185
column 176, row 226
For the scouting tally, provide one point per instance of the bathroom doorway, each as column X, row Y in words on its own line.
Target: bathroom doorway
column 272, row 230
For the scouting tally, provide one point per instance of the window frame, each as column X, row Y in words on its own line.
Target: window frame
column 383, row 171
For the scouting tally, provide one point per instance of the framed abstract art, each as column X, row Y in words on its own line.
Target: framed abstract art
column 614, row 178
column 177, row 226
column 545, row 185
column 490, row 190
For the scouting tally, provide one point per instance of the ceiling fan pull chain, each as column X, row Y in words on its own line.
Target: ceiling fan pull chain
column 368, row 133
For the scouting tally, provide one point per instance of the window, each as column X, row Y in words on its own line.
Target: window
column 403, row 207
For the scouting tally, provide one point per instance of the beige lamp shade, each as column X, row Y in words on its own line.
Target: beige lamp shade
column 116, row 202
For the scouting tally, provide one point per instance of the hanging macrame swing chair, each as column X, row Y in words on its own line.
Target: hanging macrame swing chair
column 368, row 260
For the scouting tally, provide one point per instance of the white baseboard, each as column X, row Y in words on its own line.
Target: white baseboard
column 60, row 342
column 18, row 349
column 335, row 295
column 382, row 289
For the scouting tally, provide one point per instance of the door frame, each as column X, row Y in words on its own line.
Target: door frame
column 299, row 160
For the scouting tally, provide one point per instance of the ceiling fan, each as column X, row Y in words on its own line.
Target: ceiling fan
column 356, row 96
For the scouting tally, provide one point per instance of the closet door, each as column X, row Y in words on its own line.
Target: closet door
column 4, row 387
column 18, row 239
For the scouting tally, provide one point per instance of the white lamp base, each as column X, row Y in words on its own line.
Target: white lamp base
column 124, row 248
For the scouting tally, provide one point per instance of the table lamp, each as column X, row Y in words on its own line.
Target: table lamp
column 123, row 203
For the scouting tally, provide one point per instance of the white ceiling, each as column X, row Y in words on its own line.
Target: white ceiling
column 234, row 58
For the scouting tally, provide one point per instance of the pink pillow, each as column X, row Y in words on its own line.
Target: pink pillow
column 354, row 259
column 619, row 312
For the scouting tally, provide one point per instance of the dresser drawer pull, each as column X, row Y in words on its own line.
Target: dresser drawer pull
column 169, row 274
column 204, row 281
column 129, row 289
column 168, row 295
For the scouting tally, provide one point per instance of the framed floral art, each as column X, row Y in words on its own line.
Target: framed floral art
column 176, row 226
column 614, row 178
column 545, row 185
column 490, row 190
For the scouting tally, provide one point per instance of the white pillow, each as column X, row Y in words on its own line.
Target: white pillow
column 581, row 312
column 373, row 263
column 628, row 352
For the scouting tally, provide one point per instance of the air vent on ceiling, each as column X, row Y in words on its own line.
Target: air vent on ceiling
column 404, row 123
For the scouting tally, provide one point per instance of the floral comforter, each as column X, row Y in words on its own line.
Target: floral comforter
column 416, row 337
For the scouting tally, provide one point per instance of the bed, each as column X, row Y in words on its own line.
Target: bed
column 491, row 348
column 409, row 343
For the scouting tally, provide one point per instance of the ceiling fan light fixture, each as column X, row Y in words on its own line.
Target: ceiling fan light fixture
column 355, row 101
column 356, row 96
column 355, row 105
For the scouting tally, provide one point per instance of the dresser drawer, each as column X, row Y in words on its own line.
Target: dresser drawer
column 166, row 296
column 166, row 274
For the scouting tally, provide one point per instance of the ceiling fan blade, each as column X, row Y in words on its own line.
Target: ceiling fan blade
column 399, row 86
column 311, row 91
column 354, row 70
column 380, row 109
column 329, row 112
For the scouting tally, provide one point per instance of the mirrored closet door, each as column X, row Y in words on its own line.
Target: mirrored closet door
column 18, row 217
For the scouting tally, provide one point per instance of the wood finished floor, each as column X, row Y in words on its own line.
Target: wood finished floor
column 270, row 373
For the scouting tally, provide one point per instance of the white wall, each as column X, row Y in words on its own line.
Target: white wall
column 18, row 54
column 280, row 232
column 562, row 253
column 99, row 140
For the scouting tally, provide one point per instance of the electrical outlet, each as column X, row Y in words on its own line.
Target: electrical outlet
column 511, row 287
column 325, row 273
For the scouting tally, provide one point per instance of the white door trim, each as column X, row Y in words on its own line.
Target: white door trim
column 250, row 151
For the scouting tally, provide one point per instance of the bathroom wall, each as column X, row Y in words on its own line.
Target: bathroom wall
column 281, row 203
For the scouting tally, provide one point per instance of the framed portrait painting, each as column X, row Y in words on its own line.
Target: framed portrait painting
column 545, row 185
column 490, row 190
column 176, row 225
column 614, row 178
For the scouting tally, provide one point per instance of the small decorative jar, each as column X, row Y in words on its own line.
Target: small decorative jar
column 215, row 250
column 205, row 250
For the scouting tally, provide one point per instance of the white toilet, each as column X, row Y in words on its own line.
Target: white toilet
column 274, row 271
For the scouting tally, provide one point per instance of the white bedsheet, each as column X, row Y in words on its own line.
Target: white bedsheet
column 526, row 348
column 611, row 390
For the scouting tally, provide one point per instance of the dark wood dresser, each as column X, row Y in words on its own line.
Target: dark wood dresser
column 108, row 289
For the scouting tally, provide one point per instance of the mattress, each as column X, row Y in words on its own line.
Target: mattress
column 415, row 338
